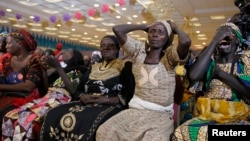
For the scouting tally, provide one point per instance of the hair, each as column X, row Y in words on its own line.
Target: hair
column 3, row 45
column 76, row 62
column 49, row 51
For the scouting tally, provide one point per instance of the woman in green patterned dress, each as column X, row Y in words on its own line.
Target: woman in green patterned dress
column 224, row 68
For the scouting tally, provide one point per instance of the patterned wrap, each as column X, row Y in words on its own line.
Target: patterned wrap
column 155, row 84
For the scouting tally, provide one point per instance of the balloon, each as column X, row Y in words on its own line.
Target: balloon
column 66, row 17
column 53, row 18
column 121, row 2
column 2, row 13
column 105, row 8
column 36, row 18
column 18, row 16
column 91, row 12
column 78, row 15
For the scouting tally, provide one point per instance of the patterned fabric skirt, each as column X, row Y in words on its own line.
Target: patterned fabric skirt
column 75, row 121
column 211, row 112
column 137, row 125
column 197, row 130
column 25, row 122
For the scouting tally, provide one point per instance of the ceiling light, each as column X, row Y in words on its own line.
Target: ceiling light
column 28, row 3
column 101, row 29
column 51, row 28
column 201, row 35
column 108, row 24
column 118, row 17
column 64, row 32
column 96, row 5
column 8, row 10
column 53, row 1
column 86, row 38
column 35, row 29
column 219, row 17
column 50, row 33
column 50, row 11
column 76, row 35
column 63, row 36
column 89, row 25
column 96, row 18
column 4, row 21
column 34, row 24
column 72, row 8
column 73, row 39
column 20, row 25
column 203, row 38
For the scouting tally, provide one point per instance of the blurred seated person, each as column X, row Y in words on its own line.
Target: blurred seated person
column 96, row 57
column 27, row 119
column 59, row 48
column 23, row 72
column 3, row 51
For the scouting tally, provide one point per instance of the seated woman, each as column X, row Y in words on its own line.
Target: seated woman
column 224, row 69
column 105, row 92
column 24, row 123
column 3, row 53
column 23, row 72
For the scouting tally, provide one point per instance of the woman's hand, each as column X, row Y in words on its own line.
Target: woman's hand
column 93, row 99
column 52, row 61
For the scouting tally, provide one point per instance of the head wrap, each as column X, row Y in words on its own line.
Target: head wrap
column 114, row 39
column 59, row 46
column 166, row 25
column 96, row 53
column 169, row 31
column 25, row 39
column 236, row 30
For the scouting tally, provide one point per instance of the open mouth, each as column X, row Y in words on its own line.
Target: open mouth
column 224, row 44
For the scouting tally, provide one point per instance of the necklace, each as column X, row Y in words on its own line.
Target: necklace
column 105, row 66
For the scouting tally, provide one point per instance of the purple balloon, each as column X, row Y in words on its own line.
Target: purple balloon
column 53, row 18
column 2, row 13
column 36, row 18
column 18, row 16
column 66, row 17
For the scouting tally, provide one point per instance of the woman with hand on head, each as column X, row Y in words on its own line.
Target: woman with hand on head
column 224, row 69
column 102, row 94
column 150, row 113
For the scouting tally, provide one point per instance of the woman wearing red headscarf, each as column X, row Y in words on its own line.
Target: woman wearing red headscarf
column 23, row 72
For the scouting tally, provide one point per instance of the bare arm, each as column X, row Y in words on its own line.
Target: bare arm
column 184, row 42
column 122, row 29
column 199, row 68
column 53, row 62
column 27, row 86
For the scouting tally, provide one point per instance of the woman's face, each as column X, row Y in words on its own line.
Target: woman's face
column 228, row 44
column 157, row 36
column 108, row 49
column 12, row 45
column 67, row 55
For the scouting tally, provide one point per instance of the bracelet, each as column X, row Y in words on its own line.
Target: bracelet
column 80, row 95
